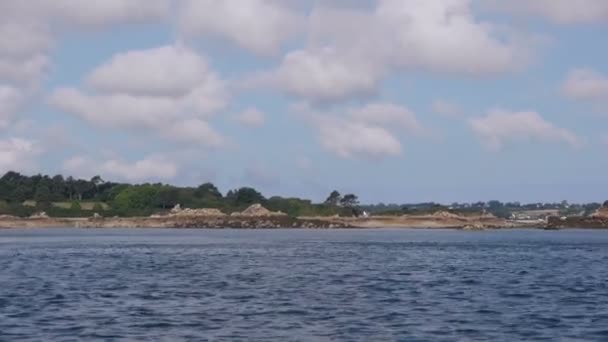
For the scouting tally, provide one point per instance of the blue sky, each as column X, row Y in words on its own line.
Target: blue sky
column 394, row 100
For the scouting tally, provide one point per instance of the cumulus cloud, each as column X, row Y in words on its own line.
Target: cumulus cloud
column 559, row 11
column 351, row 139
column 10, row 100
column 260, row 26
column 350, row 50
column 387, row 114
column 368, row 132
column 85, row 13
column 500, row 127
column 164, row 71
column 18, row 154
column 152, row 168
column 251, row 117
column 324, row 75
column 27, row 30
column 151, row 89
column 586, row 84
column 19, row 39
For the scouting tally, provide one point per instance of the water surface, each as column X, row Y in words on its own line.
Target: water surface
column 303, row 285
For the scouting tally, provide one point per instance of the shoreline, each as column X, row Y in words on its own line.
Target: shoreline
column 286, row 222
column 271, row 222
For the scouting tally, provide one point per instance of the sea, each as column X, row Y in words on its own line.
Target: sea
column 303, row 285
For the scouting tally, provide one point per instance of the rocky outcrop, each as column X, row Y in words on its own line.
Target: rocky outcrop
column 205, row 212
column 446, row 214
column 591, row 222
column 601, row 213
column 257, row 210
column 40, row 215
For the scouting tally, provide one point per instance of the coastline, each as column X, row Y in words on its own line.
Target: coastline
column 270, row 222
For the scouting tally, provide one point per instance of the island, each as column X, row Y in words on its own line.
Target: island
column 42, row 201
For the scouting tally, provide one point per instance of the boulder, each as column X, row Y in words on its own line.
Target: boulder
column 205, row 212
column 257, row 210
column 40, row 215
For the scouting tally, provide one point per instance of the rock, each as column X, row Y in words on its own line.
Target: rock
column 40, row 215
column 258, row 210
column 601, row 213
column 177, row 209
column 445, row 214
column 204, row 212
column 97, row 216
column 474, row 227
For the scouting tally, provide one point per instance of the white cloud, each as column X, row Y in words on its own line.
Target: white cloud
column 367, row 132
column 129, row 93
column 152, row 168
column 84, row 13
column 251, row 117
column 18, row 154
column 23, row 71
column 387, row 114
column 349, row 51
column 500, row 127
column 164, row 71
column 560, row 11
column 324, row 75
column 349, row 139
column 586, row 84
column 10, row 100
column 19, row 39
column 444, row 36
column 260, row 26
column 27, row 30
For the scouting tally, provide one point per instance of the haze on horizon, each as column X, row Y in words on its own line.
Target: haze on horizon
column 394, row 100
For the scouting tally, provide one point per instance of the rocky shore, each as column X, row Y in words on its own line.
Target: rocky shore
column 257, row 217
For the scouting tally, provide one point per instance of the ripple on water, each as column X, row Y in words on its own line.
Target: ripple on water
column 294, row 285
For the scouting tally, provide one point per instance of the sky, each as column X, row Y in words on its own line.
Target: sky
column 397, row 101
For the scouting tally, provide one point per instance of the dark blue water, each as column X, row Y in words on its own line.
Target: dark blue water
column 372, row 285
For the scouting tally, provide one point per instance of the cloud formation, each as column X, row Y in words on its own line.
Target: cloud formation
column 586, row 84
column 151, row 89
column 367, row 132
column 350, row 50
column 260, row 26
column 151, row 168
column 18, row 154
column 500, row 127
column 559, row 11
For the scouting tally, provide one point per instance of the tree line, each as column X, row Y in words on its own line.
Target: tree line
column 22, row 195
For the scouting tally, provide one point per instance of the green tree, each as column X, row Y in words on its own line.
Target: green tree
column 43, row 196
column 208, row 191
column 19, row 195
column 334, row 198
column 167, row 197
column 244, row 197
column 136, row 200
column 349, row 201
column 75, row 206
